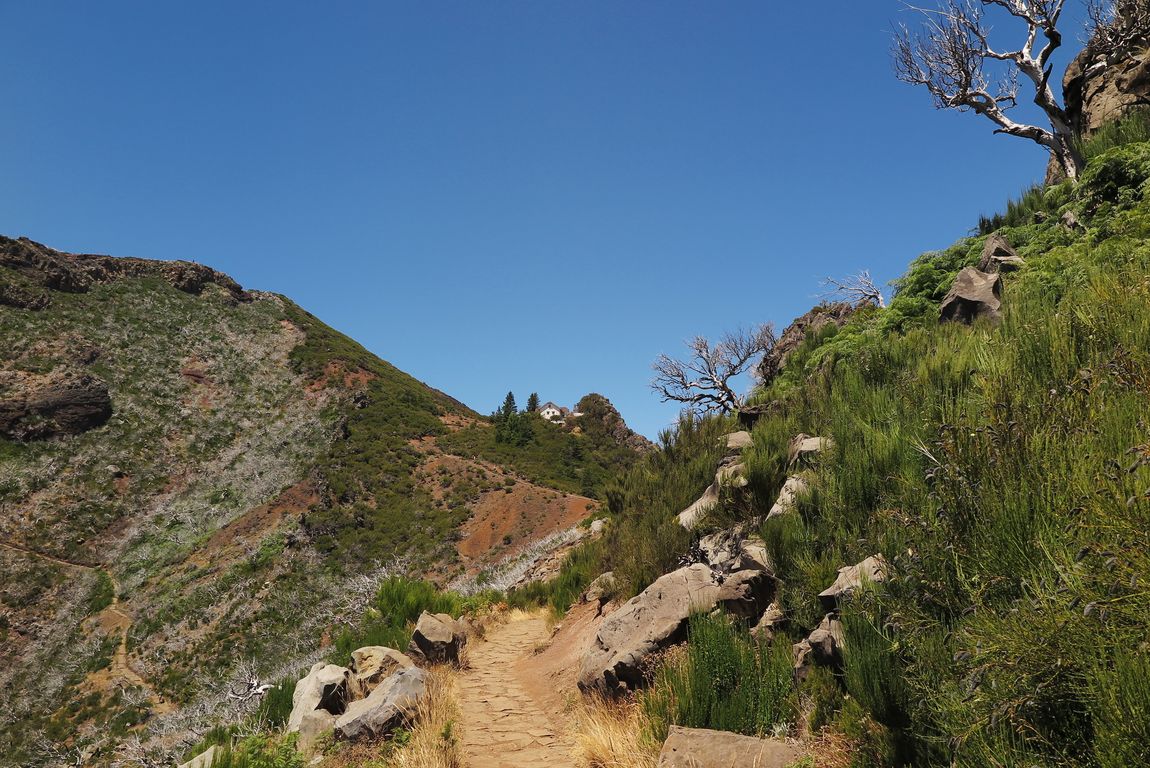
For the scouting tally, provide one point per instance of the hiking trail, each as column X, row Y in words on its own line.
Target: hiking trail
column 504, row 726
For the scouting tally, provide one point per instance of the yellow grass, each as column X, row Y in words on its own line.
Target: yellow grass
column 434, row 742
column 610, row 735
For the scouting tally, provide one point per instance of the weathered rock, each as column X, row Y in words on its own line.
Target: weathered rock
column 1101, row 86
column 392, row 704
column 598, row 526
column 67, row 406
column 437, row 638
column 737, row 441
column 823, row 647
column 701, row 748
column 373, row 663
column 647, row 623
column 998, row 256
column 312, row 730
column 804, row 448
column 974, row 294
column 769, row 623
column 873, row 570
column 746, row 594
column 22, row 298
column 599, row 589
column 325, row 687
column 730, row 475
column 1070, row 221
column 809, row 324
column 788, row 495
column 202, row 760
column 749, row 415
column 733, row 550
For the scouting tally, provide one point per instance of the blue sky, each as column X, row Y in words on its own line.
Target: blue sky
column 535, row 196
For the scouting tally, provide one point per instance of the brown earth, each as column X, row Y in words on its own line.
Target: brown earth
column 249, row 529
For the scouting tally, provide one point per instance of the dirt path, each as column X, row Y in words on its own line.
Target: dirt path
column 503, row 725
column 123, row 621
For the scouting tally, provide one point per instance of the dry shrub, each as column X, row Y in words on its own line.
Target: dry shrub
column 434, row 742
column 612, row 734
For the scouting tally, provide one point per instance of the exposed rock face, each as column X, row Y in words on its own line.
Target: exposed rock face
column 701, row 748
column 804, row 448
column 746, row 594
column 733, row 550
column 873, row 570
column 796, row 333
column 737, row 441
column 312, row 729
column 325, row 687
column 374, row 663
column 974, row 294
column 998, row 256
column 1101, row 87
column 393, row 703
column 730, row 475
column 769, row 623
column 438, row 638
column 653, row 620
column 22, row 298
column 39, row 409
column 598, row 410
column 823, row 647
column 788, row 495
column 77, row 273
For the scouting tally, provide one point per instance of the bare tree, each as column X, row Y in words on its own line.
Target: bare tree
column 703, row 380
column 1115, row 28
column 857, row 289
column 951, row 53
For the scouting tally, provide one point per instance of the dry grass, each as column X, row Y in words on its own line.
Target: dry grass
column 434, row 743
column 611, row 735
column 830, row 749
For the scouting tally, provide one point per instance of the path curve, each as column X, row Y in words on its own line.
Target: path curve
column 120, row 665
column 502, row 725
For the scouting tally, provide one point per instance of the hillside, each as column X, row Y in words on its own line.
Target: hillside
column 195, row 476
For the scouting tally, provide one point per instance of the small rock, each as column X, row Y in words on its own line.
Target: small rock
column 872, row 570
column 702, row 748
column 824, row 647
column 769, row 623
column 373, row 663
column 437, row 638
column 803, row 448
column 598, row 590
column 1070, row 221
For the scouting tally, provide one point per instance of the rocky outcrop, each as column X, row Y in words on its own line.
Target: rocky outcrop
column 730, row 475
column 809, row 324
column 393, row 703
column 326, row 687
column 794, row 486
column 701, row 748
column 998, row 256
column 851, row 578
column 373, row 663
column 823, row 647
column 599, row 414
column 599, row 590
column 22, row 298
column 733, row 550
column 803, row 448
column 78, row 273
column 657, row 618
column 769, row 623
column 438, row 638
column 36, row 409
column 736, row 441
column 974, row 294
column 1101, row 85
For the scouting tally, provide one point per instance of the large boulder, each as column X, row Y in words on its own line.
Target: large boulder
column 645, row 624
column 325, row 687
column 851, row 578
column 998, row 256
column 737, row 441
column 438, row 638
column 730, row 475
column 373, row 663
column 746, row 594
column 974, row 294
column 788, row 496
column 701, row 748
column 67, row 405
column 804, row 448
column 734, row 550
column 393, row 703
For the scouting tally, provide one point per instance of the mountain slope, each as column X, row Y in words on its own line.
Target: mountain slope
column 194, row 475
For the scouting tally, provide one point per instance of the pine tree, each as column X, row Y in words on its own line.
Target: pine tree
column 533, row 403
column 509, row 408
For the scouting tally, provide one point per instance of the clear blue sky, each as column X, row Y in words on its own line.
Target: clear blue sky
column 534, row 195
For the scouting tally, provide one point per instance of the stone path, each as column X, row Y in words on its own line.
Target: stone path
column 503, row 727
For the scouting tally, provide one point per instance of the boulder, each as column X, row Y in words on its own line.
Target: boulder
column 598, row 526
column 736, row 441
column 749, row 415
column 789, row 494
column 769, row 623
column 1070, row 221
column 851, row 578
column 998, row 256
column 746, row 594
column 645, row 624
column 437, row 638
column 373, row 663
column 326, row 687
column 599, row 589
column 974, row 294
column 312, row 729
column 393, row 703
column 702, row 748
column 54, row 408
column 823, row 647
column 733, row 550
column 804, row 448
column 202, row 760
column 728, row 475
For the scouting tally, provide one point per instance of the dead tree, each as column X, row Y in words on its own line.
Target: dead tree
column 703, row 381
column 951, row 55
column 1116, row 29
column 858, row 289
